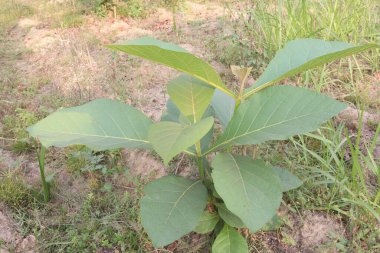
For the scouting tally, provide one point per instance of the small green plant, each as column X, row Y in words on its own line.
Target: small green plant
column 232, row 191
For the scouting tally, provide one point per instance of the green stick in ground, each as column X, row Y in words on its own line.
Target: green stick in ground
column 45, row 184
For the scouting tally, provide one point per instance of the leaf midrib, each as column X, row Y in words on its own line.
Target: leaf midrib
column 218, row 86
column 241, row 179
column 94, row 135
column 179, row 198
column 256, row 130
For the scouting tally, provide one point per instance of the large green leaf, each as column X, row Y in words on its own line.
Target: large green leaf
column 229, row 241
column 228, row 217
column 224, row 106
column 249, row 188
column 207, row 222
column 277, row 113
column 191, row 96
column 171, row 138
column 172, row 56
column 303, row 54
column 100, row 124
column 288, row 180
column 171, row 208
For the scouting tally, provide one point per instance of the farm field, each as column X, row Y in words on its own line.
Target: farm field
column 53, row 55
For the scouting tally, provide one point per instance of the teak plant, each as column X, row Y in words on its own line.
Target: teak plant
column 232, row 191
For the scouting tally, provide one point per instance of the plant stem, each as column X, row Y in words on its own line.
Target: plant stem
column 201, row 167
column 200, row 160
column 41, row 162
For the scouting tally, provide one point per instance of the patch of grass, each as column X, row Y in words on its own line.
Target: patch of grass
column 335, row 182
column 14, row 128
column 15, row 193
column 341, row 177
column 11, row 11
column 71, row 20
column 124, row 8
column 132, row 8
column 104, row 222
column 83, row 160
column 271, row 24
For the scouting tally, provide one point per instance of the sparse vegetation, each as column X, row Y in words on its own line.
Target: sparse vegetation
column 15, row 193
column 52, row 56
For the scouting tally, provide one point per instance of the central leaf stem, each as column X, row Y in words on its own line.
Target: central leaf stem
column 201, row 168
column 200, row 160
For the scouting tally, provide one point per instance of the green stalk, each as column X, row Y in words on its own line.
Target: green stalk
column 41, row 162
column 201, row 167
column 200, row 159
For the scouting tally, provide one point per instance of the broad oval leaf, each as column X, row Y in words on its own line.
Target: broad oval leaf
column 207, row 223
column 191, row 96
column 229, row 241
column 228, row 217
column 171, row 138
column 278, row 113
column 171, row 208
column 303, row 54
column 249, row 188
column 288, row 180
column 224, row 106
column 172, row 56
column 100, row 124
